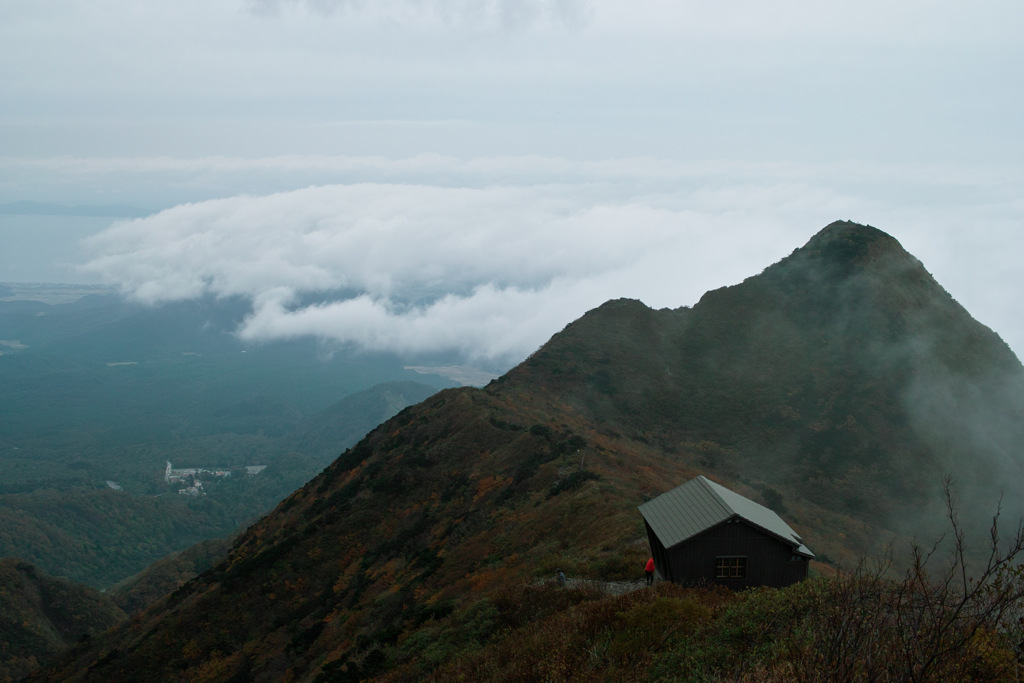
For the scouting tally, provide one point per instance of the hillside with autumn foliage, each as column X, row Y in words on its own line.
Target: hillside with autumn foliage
column 40, row 615
column 838, row 387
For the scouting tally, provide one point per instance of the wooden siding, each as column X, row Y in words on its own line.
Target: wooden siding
column 770, row 562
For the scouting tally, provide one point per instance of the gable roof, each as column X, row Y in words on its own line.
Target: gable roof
column 700, row 504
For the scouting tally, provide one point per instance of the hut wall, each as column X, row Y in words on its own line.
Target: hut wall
column 768, row 561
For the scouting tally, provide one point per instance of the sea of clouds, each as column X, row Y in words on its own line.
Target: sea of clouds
column 495, row 255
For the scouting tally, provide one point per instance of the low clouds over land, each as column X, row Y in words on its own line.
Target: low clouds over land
column 490, row 271
column 491, row 265
column 506, row 14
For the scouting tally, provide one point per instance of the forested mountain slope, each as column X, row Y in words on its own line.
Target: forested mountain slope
column 40, row 615
column 839, row 386
column 843, row 374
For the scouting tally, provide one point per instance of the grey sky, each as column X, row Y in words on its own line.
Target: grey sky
column 482, row 172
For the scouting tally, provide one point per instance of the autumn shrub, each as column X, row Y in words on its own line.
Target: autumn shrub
column 569, row 634
column 521, row 605
column 438, row 642
column 936, row 622
column 943, row 620
column 651, row 627
column 572, row 482
column 923, row 627
column 547, row 566
column 736, row 635
column 860, row 625
column 620, row 567
column 540, row 430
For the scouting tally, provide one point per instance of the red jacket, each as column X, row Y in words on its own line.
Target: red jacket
column 650, row 565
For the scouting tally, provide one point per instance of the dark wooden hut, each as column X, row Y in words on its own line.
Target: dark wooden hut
column 702, row 531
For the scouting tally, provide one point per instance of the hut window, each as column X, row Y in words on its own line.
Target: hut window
column 730, row 567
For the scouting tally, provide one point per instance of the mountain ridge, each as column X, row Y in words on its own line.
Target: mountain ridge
column 764, row 386
column 780, row 340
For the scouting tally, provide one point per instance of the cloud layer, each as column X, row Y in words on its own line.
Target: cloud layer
column 491, row 265
column 489, row 271
column 506, row 14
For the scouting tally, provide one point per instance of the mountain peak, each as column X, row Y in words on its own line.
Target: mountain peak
column 850, row 231
column 845, row 265
column 844, row 243
column 847, row 271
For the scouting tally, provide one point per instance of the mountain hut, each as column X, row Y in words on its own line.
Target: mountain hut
column 703, row 532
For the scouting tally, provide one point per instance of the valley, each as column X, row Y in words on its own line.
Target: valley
column 98, row 389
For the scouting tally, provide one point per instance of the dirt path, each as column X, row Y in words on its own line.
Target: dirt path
column 609, row 587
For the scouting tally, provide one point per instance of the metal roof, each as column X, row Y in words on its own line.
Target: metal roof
column 700, row 504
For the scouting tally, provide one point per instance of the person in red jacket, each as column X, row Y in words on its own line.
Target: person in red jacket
column 650, row 571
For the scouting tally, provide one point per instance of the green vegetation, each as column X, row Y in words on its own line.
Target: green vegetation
column 826, row 628
column 41, row 615
column 167, row 575
column 935, row 623
column 100, row 390
column 573, row 481
column 97, row 536
column 428, row 549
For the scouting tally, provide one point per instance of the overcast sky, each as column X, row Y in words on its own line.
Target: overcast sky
column 475, row 174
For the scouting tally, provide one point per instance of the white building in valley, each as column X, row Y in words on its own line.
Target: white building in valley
column 174, row 476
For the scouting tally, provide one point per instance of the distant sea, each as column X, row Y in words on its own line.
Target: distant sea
column 50, row 292
column 42, row 248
